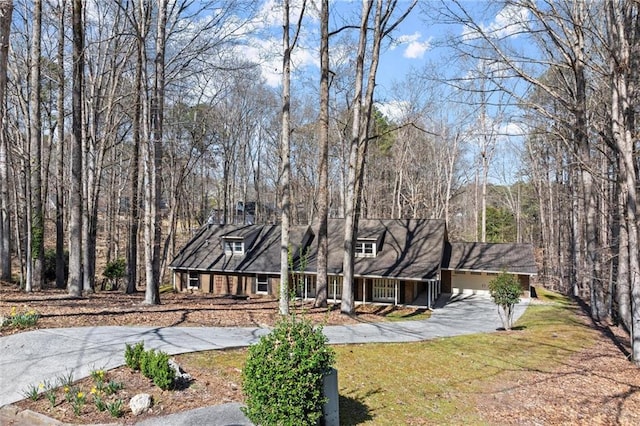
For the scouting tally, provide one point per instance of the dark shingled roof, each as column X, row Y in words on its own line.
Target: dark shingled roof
column 205, row 251
column 490, row 257
column 407, row 249
column 411, row 249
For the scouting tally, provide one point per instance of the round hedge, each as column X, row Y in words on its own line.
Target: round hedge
column 283, row 374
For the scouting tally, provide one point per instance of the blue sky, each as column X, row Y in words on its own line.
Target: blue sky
column 416, row 43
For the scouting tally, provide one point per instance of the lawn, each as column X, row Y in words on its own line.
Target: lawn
column 458, row 380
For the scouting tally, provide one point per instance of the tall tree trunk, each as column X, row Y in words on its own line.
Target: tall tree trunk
column 37, row 217
column 285, row 164
column 134, row 203
column 141, row 24
column 6, row 12
column 347, row 302
column 60, row 255
column 589, row 231
column 362, row 116
column 153, row 231
column 323, row 159
column 619, row 13
column 75, row 197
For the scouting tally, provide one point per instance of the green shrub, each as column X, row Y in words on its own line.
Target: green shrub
column 50, row 264
column 114, row 271
column 283, row 374
column 155, row 366
column 133, row 355
column 505, row 291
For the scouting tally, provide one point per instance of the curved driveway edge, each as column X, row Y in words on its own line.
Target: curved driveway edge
column 31, row 358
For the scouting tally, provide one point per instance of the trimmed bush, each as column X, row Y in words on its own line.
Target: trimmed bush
column 155, row 366
column 505, row 291
column 133, row 355
column 283, row 374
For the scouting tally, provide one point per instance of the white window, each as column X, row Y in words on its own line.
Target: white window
column 233, row 247
column 262, row 284
column 384, row 290
column 194, row 280
column 365, row 249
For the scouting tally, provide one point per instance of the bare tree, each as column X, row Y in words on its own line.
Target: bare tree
column 35, row 225
column 75, row 197
column 153, row 167
column 323, row 159
column 6, row 11
column 622, row 36
column 60, row 187
column 361, row 122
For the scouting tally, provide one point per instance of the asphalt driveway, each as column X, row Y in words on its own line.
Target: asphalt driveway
column 33, row 357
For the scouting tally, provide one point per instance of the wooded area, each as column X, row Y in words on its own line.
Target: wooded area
column 128, row 124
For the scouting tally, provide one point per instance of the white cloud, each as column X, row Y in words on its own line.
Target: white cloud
column 415, row 49
column 406, row 38
column 394, row 110
column 510, row 21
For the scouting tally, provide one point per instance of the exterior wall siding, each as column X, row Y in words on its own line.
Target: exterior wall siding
column 205, row 283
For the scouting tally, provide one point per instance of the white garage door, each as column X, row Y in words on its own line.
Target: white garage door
column 471, row 282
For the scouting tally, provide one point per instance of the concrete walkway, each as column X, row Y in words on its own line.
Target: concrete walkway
column 33, row 357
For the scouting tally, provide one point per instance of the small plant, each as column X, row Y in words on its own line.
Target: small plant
column 66, row 381
column 33, row 392
column 68, row 393
column 99, row 402
column 49, row 392
column 51, row 397
column 78, row 399
column 133, row 355
column 505, row 291
column 115, row 408
column 113, row 387
column 155, row 366
column 98, row 376
column 21, row 319
column 283, row 374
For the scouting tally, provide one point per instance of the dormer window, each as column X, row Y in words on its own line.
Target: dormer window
column 233, row 246
column 365, row 248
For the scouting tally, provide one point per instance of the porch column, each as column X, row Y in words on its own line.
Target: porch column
column 395, row 296
column 335, row 288
column 364, row 291
column 306, row 287
column 429, row 294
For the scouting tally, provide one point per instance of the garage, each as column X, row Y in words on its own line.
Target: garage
column 469, row 267
column 471, row 282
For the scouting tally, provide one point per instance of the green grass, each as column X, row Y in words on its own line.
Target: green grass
column 435, row 382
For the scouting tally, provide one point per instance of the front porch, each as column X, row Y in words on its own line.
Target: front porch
column 373, row 290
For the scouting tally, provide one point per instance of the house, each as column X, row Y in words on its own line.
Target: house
column 397, row 261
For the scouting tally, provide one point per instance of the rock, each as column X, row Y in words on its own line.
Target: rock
column 182, row 379
column 140, row 403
